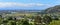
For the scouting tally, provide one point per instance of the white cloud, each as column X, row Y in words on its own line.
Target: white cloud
column 12, row 4
column 28, row 4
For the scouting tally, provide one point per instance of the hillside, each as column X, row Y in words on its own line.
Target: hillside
column 54, row 9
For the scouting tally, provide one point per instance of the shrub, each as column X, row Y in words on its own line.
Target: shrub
column 55, row 22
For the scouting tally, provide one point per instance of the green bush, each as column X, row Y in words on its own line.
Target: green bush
column 55, row 22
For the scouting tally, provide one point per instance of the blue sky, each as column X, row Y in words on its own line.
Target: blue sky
column 28, row 4
column 34, row 1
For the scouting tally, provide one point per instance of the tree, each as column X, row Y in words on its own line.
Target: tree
column 13, row 23
column 4, row 22
column 38, row 20
column 25, row 22
column 0, row 16
column 47, row 19
column 10, row 18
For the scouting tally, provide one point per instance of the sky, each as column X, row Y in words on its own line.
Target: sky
column 27, row 4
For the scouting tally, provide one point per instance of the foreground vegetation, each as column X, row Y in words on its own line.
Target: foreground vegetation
column 55, row 22
column 31, row 20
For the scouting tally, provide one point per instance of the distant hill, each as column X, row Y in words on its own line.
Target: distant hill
column 54, row 9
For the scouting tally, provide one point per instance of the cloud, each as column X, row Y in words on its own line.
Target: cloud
column 29, row 4
column 13, row 4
